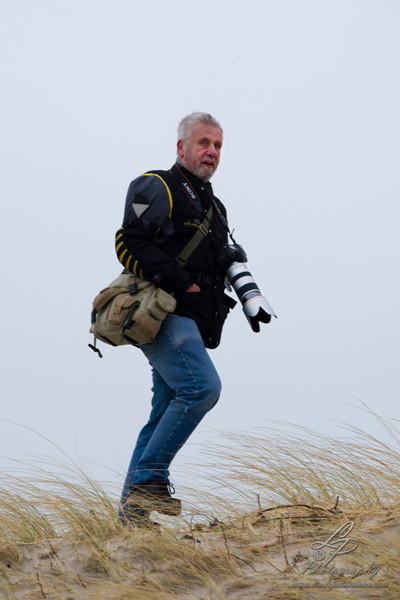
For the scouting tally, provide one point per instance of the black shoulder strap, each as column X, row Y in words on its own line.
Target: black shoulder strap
column 168, row 177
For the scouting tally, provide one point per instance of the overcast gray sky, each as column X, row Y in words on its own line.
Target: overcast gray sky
column 308, row 96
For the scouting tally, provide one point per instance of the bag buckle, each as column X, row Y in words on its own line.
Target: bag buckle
column 203, row 229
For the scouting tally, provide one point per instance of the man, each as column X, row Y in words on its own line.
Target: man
column 163, row 211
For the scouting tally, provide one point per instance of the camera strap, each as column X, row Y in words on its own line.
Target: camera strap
column 203, row 229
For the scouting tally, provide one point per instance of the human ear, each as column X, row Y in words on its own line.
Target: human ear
column 180, row 148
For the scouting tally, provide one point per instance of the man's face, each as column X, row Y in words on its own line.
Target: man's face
column 201, row 153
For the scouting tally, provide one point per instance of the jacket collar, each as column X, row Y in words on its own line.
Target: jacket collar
column 194, row 180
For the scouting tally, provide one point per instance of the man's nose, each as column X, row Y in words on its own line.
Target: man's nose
column 212, row 151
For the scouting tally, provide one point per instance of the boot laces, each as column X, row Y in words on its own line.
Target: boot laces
column 170, row 488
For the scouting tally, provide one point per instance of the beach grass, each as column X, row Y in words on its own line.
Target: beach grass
column 279, row 490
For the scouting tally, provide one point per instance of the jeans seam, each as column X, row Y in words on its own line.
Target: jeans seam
column 186, row 408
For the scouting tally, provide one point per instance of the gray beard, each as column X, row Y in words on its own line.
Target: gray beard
column 203, row 173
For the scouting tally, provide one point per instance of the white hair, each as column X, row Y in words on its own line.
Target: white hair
column 186, row 125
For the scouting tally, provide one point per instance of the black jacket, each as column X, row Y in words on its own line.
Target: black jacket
column 163, row 211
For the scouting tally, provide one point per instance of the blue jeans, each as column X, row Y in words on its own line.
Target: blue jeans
column 186, row 386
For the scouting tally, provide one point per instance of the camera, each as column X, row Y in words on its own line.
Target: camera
column 230, row 253
column 255, row 306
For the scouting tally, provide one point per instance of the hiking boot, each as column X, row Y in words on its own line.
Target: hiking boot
column 154, row 495
column 140, row 521
column 132, row 516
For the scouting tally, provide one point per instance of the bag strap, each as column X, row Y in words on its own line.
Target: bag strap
column 192, row 244
column 182, row 257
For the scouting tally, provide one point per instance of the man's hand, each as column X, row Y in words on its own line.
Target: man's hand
column 193, row 288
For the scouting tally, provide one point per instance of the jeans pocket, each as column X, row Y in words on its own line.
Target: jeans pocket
column 150, row 348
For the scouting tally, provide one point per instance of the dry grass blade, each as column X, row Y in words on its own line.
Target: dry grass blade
column 282, row 490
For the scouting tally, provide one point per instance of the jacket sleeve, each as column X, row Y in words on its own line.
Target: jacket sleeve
column 147, row 221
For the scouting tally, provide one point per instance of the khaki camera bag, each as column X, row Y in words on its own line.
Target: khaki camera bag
column 130, row 310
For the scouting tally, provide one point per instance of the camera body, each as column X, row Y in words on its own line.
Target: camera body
column 230, row 253
column 255, row 306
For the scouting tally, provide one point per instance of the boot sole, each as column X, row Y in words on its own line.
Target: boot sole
column 172, row 508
